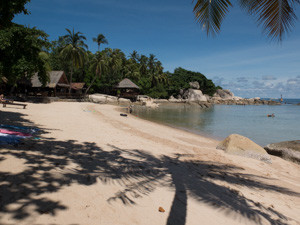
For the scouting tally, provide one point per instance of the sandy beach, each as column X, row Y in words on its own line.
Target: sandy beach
column 89, row 165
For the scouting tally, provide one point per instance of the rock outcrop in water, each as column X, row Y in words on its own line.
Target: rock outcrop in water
column 221, row 97
column 240, row 145
column 289, row 150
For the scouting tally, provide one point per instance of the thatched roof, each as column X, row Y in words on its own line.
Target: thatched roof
column 126, row 83
column 77, row 86
column 56, row 78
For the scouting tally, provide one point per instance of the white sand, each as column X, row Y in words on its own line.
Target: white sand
column 92, row 166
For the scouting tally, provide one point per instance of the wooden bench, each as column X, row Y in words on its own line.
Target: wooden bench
column 11, row 103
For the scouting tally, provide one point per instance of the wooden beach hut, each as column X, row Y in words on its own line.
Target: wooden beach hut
column 77, row 88
column 128, row 89
column 57, row 86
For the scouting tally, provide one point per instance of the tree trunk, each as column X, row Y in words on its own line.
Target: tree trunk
column 87, row 90
column 71, row 76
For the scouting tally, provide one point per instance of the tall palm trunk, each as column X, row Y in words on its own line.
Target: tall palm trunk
column 71, row 76
column 87, row 90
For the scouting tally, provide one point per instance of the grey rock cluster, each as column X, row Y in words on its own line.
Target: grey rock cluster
column 288, row 150
column 105, row 99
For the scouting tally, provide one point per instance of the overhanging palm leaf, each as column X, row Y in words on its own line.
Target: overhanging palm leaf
column 211, row 13
column 276, row 16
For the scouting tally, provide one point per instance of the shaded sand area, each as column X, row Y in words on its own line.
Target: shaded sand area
column 92, row 166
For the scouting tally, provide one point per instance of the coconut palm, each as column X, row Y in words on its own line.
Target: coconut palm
column 74, row 50
column 100, row 39
column 276, row 16
column 151, row 63
column 99, row 65
column 134, row 56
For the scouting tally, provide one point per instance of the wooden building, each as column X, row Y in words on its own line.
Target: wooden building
column 77, row 89
column 57, row 86
column 128, row 89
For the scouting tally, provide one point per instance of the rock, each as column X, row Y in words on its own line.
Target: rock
column 208, row 97
column 174, row 100
column 181, row 92
column 273, row 103
column 240, row 145
column 142, row 98
column 111, row 99
column 224, row 94
column 195, row 85
column 97, row 99
column 289, row 150
column 103, row 99
column 160, row 101
column 192, row 95
column 161, row 209
column 124, row 101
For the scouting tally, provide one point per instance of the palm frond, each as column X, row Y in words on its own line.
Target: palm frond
column 211, row 13
column 276, row 16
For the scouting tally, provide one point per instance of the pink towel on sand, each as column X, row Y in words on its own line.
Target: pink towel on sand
column 4, row 131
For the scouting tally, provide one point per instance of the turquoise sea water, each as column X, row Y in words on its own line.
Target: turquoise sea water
column 222, row 120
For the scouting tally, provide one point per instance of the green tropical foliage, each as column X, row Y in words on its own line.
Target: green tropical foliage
column 22, row 53
column 277, row 17
column 74, row 51
column 9, row 8
column 180, row 80
column 99, row 65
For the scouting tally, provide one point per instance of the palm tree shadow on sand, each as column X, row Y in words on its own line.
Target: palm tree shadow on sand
column 139, row 173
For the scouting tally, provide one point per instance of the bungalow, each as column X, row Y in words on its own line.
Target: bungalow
column 127, row 89
column 58, row 84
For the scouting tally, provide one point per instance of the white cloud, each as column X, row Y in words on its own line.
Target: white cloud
column 269, row 78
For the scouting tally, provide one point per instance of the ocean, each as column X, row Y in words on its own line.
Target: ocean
column 222, row 120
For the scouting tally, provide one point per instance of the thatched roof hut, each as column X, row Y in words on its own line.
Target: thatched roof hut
column 77, row 86
column 128, row 89
column 57, row 78
column 127, row 84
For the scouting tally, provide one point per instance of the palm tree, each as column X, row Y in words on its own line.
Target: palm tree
column 151, row 63
column 100, row 40
column 134, row 56
column 74, row 50
column 99, row 65
column 276, row 16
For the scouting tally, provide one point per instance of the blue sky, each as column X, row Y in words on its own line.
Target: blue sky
column 241, row 58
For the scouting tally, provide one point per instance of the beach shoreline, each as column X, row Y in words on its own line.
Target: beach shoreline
column 89, row 165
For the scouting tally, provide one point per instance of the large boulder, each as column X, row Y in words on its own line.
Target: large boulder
column 97, row 99
column 103, row 99
column 192, row 95
column 289, row 150
column 240, row 145
column 195, row 85
column 124, row 101
column 174, row 100
column 224, row 94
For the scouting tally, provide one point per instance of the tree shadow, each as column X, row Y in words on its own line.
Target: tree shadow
column 138, row 171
